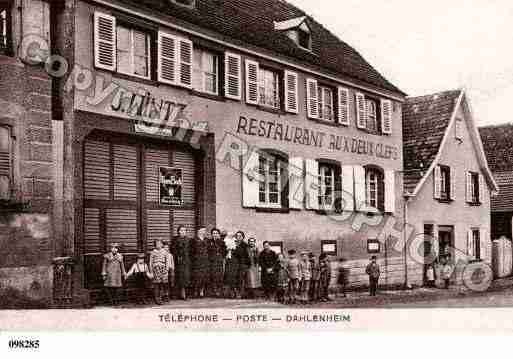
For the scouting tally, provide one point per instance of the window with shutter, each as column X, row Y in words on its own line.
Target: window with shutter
column 269, row 190
column 233, row 76
column 185, row 63
column 312, row 184
column 6, row 152
column 328, row 174
column 250, row 180
column 343, row 106
column 437, row 182
column 374, row 187
column 386, row 117
column 206, row 71
column 133, row 52
column 105, row 41
column 167, row 58
column 291, row 94
column 361, row 111
column 5, row 27
column 312, row 100
column 268, row 88
column 325, row 103
column 348, row 188
column 444, row 189
column 389, row 191
column 252, row 83
column 296, row 183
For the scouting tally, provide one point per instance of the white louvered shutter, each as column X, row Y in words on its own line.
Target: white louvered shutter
column 361, row 112
column 360, row 190
column 386, row 116
column 480, row 187
column 312, row 98
column 185, row 63
column 233, row 76
column 296, row 183
column 312, row 184
column 5, row 162
column 437, row 182
column 167, row 58
column 252, row 95
column 470, row 249
column 104, row 41
column 343, row 106
column 468, row 186
column 348, row 188
column 485, row 246
column 389, row 191
column 452, row 183
column 250, row 180
column 291, row 92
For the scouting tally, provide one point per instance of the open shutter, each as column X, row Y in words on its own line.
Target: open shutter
column 359, row 187
column 386, row 116
column 312, row 184
column 485, row 246
column 104, row 41
column 343, row 106
column 167, row 58
column 437, row 182
column 389, row 191
column 468, row 186
column 348, row 188
column 361, row 112
column 252, row 95
column 185, row 63
column 452, row 184
column 291, row 92
column 479, row 187
column 233, row 76
column 312, row 98
column 250, row 180
column 5, row 162
column 296, row 183
column 470, row 249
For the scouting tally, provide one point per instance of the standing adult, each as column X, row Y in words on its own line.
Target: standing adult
column 113, row 272
column 231, row 269
column 373, row 272
column 216, row 254
column 242, row 253
column 252, row 273
column 159, row 267
column 200, row 262
column 268, row 261
column 181, row 249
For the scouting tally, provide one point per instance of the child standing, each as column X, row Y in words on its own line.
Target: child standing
column 282, row 279
column 113, row 272
column 447, row 270
column 141, row 273
column 325, row 277
column 159, row 266
column 314, row 282
column 305, row 270
column 171, row 272
column 294, row 275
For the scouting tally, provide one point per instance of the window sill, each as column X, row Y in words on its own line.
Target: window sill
column 134, row 78
column 474, row 204
column 207, row 95
column 276, row 111
column 327, row 123
column 375, row 133
column 272, row 210
column 446, row 201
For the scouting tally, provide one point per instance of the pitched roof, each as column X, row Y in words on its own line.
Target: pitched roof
column 425, row 120
column 252, row 21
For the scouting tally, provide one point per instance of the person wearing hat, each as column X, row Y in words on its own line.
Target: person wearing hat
column 141, row 274
column 314, row 281
column 305, row 270
column 373, row 272
column 294, row 275
column 113, row 272
column 324, row 277
column 268, row 260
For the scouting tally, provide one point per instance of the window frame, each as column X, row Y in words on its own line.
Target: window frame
column 445, row 183
column 376, row 128
column 278, row 94
column 379, row 190
column 7, row 6
column 475, row 186
column 307, row 36
column 476, row 244
column 329, row 242
column 269, row 158
column 203, row 73
column 321, row 102
column 149, row 38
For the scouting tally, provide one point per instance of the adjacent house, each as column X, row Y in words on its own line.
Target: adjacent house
column 448, row 183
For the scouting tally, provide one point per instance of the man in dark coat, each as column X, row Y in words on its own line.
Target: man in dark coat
column 373, row 272
column 241, row 252
column 200, row 262
column 181, row 250
column 216, row 254
column 268, row 261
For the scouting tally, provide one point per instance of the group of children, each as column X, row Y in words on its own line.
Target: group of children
column 302, row 280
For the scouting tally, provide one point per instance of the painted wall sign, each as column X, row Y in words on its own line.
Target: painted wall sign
column 304, row 136
column 170, row 180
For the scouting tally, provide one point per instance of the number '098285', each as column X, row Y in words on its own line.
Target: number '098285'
column 24, row 344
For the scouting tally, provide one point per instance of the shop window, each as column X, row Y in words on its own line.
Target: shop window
column 5, row 34
column 269, row 88
column 473, row 188
column 269, row 191
column 325, row 97
column 133, row 52
column 374, row 185
column 6, row 154
column 206, row 71
column 442, row 183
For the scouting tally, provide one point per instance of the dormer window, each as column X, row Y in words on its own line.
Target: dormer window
column 297, row 30
column 186, row 3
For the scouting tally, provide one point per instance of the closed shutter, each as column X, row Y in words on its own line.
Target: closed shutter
column 485, row 246
column 470, row 244
column 5, row 162
column 122, row 228
column 468, row 186
column 343, row 106
column 97, row 170
column 250, row 180
column 104, row 41
column 185, row 161
column 252, row 82
column 296, row 183
column 154, row 159
column 437, row 182
column 125, row 172
column 361, row 112
column 291, row 92
column 167, row 58
column 360, row 189
column 348, row 188
column 233, row 76
column 386, row 116
column 312, row 184
column 312, row 98
column 185, row 63
column 92, row 240
column 185, row 218
column 389, row 191
column 158, row 227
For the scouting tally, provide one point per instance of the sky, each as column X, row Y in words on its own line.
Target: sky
column 429, row 46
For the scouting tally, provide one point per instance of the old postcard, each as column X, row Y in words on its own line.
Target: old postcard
column 255, row 165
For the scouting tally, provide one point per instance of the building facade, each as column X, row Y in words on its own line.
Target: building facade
column 244, row 115
column 448, row 182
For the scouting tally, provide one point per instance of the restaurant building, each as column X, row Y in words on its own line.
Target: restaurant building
column 447, row 182
column 244, row 115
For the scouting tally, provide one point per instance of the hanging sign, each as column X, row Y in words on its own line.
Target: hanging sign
column 171, row 180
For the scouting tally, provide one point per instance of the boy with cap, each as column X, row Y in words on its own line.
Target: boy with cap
column 373, row 272
column 113, row 272
column 141, row 273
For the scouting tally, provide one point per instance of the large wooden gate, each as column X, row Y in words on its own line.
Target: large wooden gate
column 122, row 198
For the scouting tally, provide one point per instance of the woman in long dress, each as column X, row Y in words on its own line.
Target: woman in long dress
column 200, row 262
column 231, row 270
column 181, row 249
column 216, row 255
column 252, row 271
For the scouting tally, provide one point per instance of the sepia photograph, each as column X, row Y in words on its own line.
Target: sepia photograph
column 255, row 164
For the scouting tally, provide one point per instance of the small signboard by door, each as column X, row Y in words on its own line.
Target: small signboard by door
column 171, row 181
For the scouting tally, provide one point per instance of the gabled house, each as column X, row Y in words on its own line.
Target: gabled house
column 448, row 184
